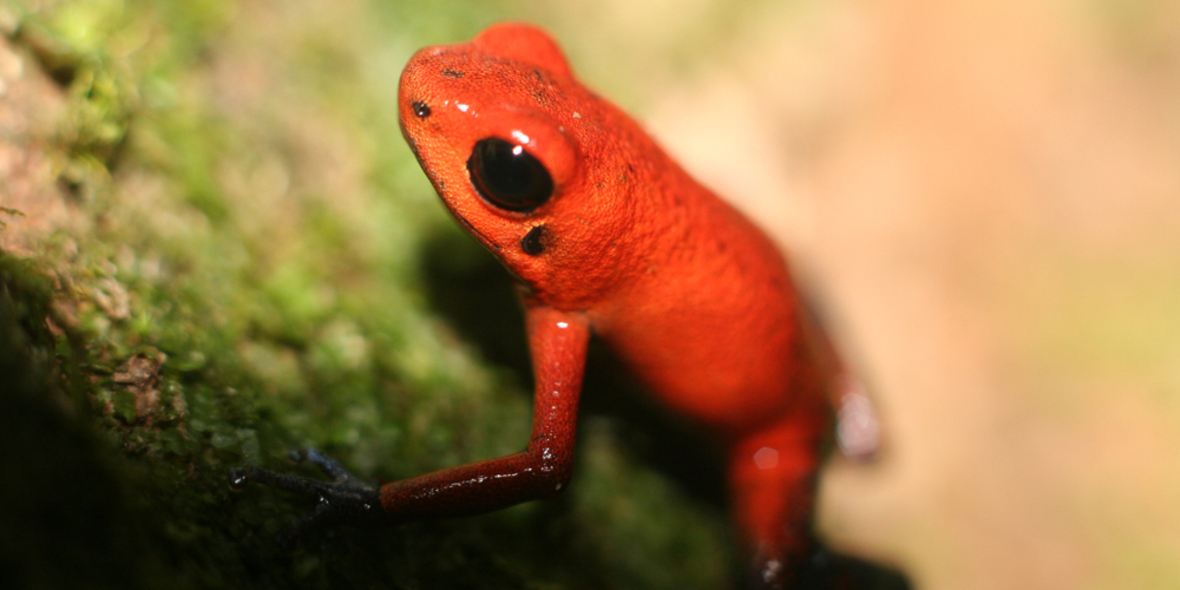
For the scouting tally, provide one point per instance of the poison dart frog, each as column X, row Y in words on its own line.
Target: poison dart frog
column 608, row 236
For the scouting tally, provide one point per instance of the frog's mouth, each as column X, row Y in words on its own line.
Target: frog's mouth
column 439, row 188
column 471, row 228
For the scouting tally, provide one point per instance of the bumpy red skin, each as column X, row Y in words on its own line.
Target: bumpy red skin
column 688, row 292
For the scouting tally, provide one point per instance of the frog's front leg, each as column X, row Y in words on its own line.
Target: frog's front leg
column 557, row 342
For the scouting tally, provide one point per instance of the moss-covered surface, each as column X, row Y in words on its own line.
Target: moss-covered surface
column 234, row 255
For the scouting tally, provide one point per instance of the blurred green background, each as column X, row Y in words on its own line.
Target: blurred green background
column 212, row 204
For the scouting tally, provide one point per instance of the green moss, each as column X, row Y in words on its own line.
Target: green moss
column 250, row 279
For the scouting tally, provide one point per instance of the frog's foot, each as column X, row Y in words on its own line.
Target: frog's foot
column 344, row 500
column 829, row 570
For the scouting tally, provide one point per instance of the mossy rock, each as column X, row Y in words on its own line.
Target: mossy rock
column 216, row 248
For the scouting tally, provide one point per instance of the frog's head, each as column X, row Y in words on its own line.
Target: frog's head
column 504, row 132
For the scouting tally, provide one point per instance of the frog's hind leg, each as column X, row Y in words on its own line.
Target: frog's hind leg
column 772, row 482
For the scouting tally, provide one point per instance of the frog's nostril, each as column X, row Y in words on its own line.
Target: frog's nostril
column 421, row 109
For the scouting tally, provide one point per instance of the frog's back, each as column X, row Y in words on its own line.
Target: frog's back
column 712, row 322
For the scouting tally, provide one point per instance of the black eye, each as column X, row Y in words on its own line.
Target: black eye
column 509, row 177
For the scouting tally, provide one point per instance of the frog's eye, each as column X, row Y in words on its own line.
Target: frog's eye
column 509, row 177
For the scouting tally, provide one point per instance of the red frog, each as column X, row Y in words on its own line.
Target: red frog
column 606, row 235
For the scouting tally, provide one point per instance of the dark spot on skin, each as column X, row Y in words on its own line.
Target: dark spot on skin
column 540, row 96
column 421, row 109
column 540, row 90
column 449, row 73
column 532, row 242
